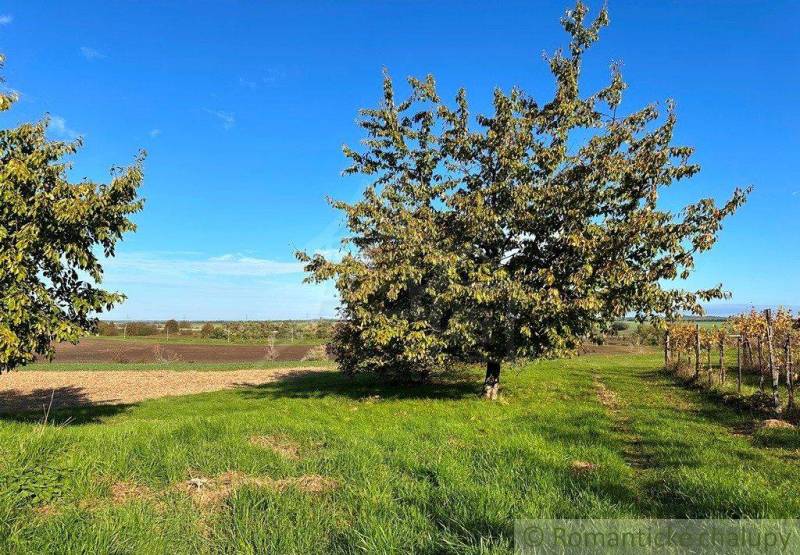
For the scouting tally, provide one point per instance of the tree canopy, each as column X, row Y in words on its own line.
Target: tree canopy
column 52, row 235
column 517, row 233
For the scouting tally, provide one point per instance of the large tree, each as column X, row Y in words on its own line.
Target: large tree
column 518, row 233
column 50, row 233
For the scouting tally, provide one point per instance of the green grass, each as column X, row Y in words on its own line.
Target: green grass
column 429, row 469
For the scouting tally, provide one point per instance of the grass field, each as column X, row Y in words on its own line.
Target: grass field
column 324, row 463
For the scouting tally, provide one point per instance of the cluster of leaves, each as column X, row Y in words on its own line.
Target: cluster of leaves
column 515, row 234
column 752, row 328
column 50, row 232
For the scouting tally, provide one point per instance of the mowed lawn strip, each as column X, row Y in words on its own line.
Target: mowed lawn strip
column 325, row 463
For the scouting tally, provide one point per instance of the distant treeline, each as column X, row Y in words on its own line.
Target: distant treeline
column 292, row 330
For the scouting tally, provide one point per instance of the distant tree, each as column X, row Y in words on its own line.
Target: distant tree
column 108, row 329
column 206, row 330
column 51, row 234
column 171, row 327
column 617, row 327
column 516, row 235
column 218, row 332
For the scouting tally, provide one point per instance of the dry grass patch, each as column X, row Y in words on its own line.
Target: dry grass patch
column 46, row 510
column 774, row 423
column 582, row 467
column 606, row 397
column 122, row 492
column 279, row 444
column 209, row 493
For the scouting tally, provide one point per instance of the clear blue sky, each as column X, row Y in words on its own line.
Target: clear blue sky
column 243, row 107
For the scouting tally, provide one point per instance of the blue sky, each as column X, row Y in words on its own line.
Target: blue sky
column 243, row 107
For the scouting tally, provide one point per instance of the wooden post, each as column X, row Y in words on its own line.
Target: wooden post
column 666, row 348
column 708, row 357
column 738, row 365
column 722, row 359
column 773, row 370
column 747, row 352
column 789, row 372
column 696, row 351
column 760, row 366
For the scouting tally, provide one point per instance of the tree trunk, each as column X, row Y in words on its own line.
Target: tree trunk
column 773, row 369
column 491, row 384
column 666, row 349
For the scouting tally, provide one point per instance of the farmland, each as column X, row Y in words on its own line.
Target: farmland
column 319, row 462
column 138, row 350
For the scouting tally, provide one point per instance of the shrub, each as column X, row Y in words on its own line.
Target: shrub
column 648, row 334
column 107, row 328
column 171, row 326
column 319, row 352
column 218, row 333
column 206, row 330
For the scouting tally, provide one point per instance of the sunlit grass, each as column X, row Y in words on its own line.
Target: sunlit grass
column 427, row 469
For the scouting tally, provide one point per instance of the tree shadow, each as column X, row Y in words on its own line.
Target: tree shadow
column 317, row 384
column 60, row 406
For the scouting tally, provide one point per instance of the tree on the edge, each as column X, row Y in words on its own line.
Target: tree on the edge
column 517, row 234
column 50, row 232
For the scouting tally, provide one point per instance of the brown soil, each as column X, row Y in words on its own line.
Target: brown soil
column 33, row 391
column 111, row 350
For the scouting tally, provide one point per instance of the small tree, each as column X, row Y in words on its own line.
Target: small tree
column 107, row 328
column 206, row 330
column 50, row 233
column 518, row 234
column 171, row 327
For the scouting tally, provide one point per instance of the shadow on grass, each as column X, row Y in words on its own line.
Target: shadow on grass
column 319, row 384
column 61, row 405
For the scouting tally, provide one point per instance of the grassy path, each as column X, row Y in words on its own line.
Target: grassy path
column 323, row 463
column 699, row 462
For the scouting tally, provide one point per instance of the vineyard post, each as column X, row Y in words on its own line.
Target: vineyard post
column 738, row 365
column 696, row 351
column 789, row 372
column 760, row 365
column 708, row 358
column 722, row 359
column 773, row 370
column 666, row 348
